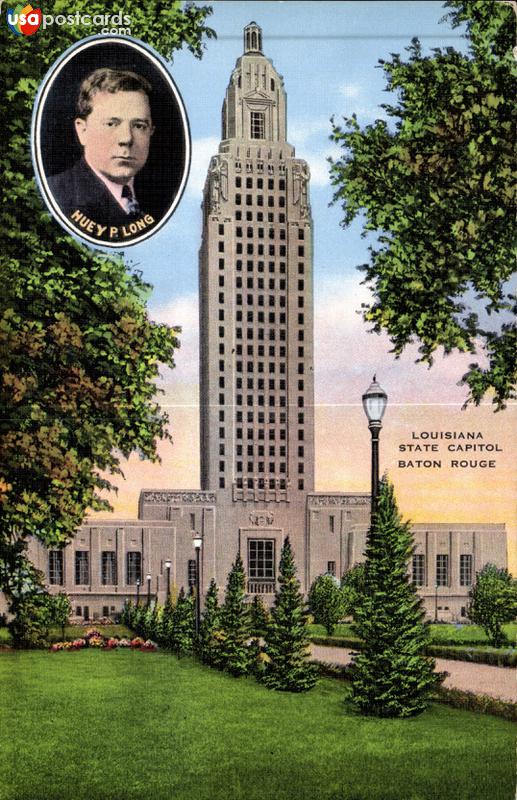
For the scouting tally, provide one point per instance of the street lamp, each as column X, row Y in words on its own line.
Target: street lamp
column 138, row 591
column 375, row 401
column 168, row 568
column 148, row 589
column 436, row 601
column 197, row 541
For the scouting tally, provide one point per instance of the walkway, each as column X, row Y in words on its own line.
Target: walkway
column 498, row 682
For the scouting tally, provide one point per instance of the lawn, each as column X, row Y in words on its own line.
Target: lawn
column 126, row 725
column 439, row 633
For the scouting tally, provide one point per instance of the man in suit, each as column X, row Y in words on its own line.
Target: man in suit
column 100, row 194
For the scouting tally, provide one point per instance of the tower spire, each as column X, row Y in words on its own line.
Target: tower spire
column 252, row 38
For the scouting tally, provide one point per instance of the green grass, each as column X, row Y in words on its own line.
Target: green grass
column 439, row 633
column 127, row 725
column 75, row 632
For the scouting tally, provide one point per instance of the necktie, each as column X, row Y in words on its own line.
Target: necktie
column 130, row 202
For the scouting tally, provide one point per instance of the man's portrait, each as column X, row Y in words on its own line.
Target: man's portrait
column 112, row 158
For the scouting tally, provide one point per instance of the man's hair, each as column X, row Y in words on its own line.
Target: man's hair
column 108, row 80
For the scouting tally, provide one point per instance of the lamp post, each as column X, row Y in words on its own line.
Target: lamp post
column 197, row 541
column 168, row 568
column 148, row 589
column 436, row 601
column 375, row 401
column 138, row 591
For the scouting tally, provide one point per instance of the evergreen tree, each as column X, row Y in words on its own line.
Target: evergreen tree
column 181, row 629
column 286, row 640
column 164, row 621
column 232, row 650
column 206, row 643
column 390, row 676
column 259, row 617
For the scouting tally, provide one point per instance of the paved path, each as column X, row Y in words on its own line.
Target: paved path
column 478, row 678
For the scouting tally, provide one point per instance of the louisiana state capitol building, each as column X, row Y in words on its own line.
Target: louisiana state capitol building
column 257, row 403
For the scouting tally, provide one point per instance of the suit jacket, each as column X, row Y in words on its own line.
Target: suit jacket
column 79, row 188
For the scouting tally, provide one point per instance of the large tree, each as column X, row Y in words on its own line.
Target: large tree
column 391, row 676
column 79, row 356
column 437, row 186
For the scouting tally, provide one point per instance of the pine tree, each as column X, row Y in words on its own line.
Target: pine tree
column 181, row 628
column 286, row 639
column 205, row 646
column 259, row 617
column 391, row 677
column 164, row 621
column 232, row 650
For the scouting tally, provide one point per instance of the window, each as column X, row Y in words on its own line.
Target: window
column 261, row 558
column 133, row 567
column 418, row 569
column 82, row 567
column 466, row 570
column 108, row 568
column 191, row 573
column 442, row 570
column 332, row 523
column 258, row 124
column 55, row 567
column 331, row 568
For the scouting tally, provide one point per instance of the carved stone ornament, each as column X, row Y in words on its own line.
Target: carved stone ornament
column 179, row 497
column 338, row 500
column 266, row 518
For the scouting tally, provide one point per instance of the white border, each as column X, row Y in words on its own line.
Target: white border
column 39, row 105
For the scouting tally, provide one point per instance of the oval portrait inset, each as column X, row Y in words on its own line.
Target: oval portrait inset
column 110, row 141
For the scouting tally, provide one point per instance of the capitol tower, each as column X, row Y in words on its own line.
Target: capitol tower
column 257, row 395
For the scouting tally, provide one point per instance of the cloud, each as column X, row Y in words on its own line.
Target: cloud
column 350, row 89
column 182, row 311
column 202, row 152
column 299, row 131
column 346, row 355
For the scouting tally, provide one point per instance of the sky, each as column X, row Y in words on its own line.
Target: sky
column 328, row 54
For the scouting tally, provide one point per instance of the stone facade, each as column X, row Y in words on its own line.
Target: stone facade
column 257, row 403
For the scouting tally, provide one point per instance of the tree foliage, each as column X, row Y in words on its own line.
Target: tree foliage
column 259, row 616
column 326, row 602
column 352, row 587
column 493, row 601
column 437, row 187
column 180, row 633
column 234, row 631
column 390, row 676
column 287, row 666
column 79, row 355
column 206, row 645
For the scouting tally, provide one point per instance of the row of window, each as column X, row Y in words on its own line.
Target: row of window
column 442, row 569
column 108, row 568
column 259, row 200
column 272, row 284
column 260, row 183
column 259, row 216
column 259, row 166
column 82, row 567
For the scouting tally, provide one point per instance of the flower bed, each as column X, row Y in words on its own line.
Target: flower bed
column 94, row 639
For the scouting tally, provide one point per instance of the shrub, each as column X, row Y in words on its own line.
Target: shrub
column 326, row 602
column 493, row 601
